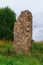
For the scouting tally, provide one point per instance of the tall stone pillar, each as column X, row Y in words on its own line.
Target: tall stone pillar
column 23, row 32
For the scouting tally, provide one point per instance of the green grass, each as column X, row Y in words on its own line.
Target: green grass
column 4, row 60
column 8, row 57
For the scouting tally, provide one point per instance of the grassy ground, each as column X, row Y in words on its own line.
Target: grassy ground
column 8, row 57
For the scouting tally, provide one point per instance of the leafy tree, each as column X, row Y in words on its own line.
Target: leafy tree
column 7, row 19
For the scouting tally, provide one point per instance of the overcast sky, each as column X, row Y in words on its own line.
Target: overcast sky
column 35, row 6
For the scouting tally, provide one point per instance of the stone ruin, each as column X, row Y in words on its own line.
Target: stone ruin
column 23, row 32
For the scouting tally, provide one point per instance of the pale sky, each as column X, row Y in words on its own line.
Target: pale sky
column 35, row 6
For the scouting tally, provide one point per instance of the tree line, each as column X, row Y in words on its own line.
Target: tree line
column 7, row 19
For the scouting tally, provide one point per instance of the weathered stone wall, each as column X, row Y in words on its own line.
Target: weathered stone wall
column 23, row 32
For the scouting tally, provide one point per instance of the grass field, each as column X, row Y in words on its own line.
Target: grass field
column 8, row 57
